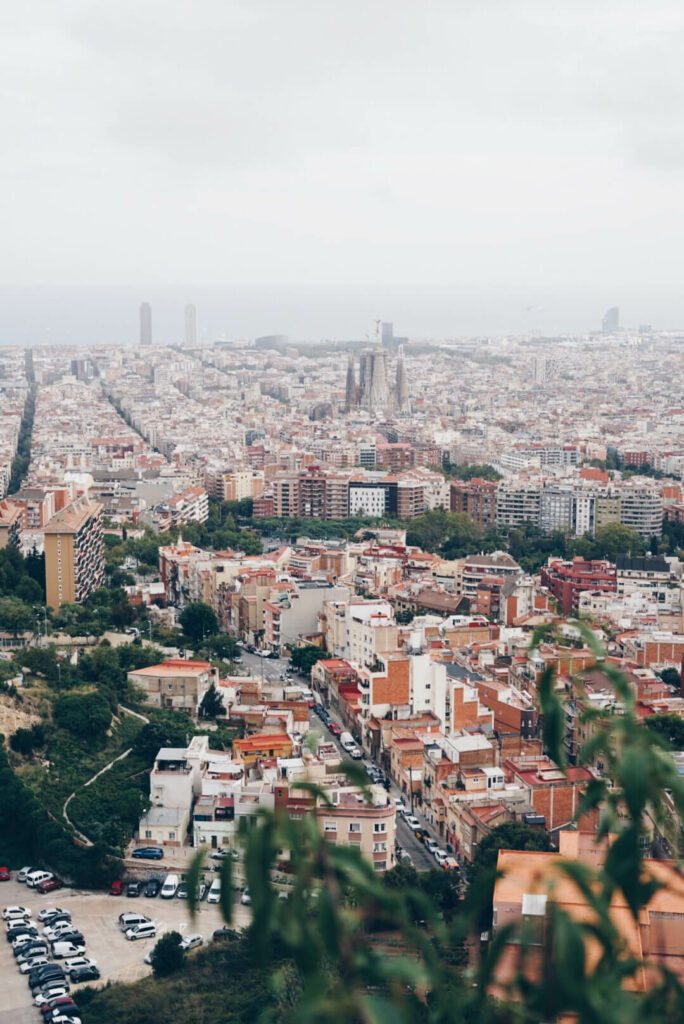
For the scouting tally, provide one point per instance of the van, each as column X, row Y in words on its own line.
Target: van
column 170, row 887
column 127, row 921
column 36, row 877
column 148, row 930
column 214, row 891
column 347, row 741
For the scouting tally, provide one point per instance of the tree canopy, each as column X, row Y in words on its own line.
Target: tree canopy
column 198, row 621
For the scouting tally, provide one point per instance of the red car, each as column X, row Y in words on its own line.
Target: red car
column 335, row 729
column 49, row 885
column 116, row 888
column 311, row 702
column 4, row 874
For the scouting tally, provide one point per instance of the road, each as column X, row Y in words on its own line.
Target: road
column 422, row 860
column 272, row 671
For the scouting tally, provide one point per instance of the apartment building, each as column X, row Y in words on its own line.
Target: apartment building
column 567, row 580
column 74, row 553
column 176, row 684
column 476, row 497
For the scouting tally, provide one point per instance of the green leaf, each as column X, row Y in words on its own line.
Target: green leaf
column 193, row 876
column 226, row 900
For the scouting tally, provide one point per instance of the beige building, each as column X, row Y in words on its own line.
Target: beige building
column 74, row 553
column 176, row 684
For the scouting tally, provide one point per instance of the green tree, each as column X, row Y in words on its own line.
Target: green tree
column 303, row 659
column 669, row 727
column 167, row 956
column 86, row 715
column 671, row 677
column 198, row 621
column 614, row 539
column 15, row 616
column 212, row 704
column 222, row 645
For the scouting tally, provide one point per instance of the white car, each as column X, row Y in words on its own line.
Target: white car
column 440, row 857
column 51, row 992
column 142, row 931
column 35, row 961
column 191, row 942
column 432, row 846
column 23, row 873
column 79, row 961
column 246, row 898
column 15, row 913
column 50, row 912
column 61, row 950
column 21, row 940
column 59, row 929
column 412, row 823
column 63, row 1018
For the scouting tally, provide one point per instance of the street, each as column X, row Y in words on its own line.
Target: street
column 272, row 670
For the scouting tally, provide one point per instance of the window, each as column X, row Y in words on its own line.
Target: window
column 295, row 816
column 379, row 826
column 354, row 826
column 172, row 835
column 330, row 826
column 379, row 847
column 148, row 834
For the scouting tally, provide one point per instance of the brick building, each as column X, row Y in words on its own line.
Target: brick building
column 567, row 580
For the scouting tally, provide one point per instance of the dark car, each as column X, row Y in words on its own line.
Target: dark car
column 5, row 875
column 54, row 919
column 21, row 929
column 49, row 885
column 222, row 933
column 152, row 888
column 84, row 974
column 148, row 853
column 134, row 888
column 47, row 973
column 34, row 948
column 116, row 888
column 72, row 936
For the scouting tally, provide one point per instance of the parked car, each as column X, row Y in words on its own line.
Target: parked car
column 214, row 891
column 63, row 1003
column 63, row 950
column 412, row 823
column 79, row 961
column 134, row 888
column 246, row 898
column 26, row 966
column 25, row 927
column 79, row 974
column 127, row 921
column 23, row 938
column 74, row 937
column 58, row 928
column 56, row 915
column 116, row 888
column 440, row 856
column 432, row 845
column 182, row 891
column 49, row 885
column 222, row 933
column 44, row 995
column 191, row 942
column 23, row 873
column 170, row 887
column 29, row 949
column 335, row 729
column 450, row 864
column 152, row 888
column 355, row 753
column 36, row 877
column 5, row 874
column 46, row 912
column 142, row 931
column 50, row 971
column 15, row 913
column 148, row 853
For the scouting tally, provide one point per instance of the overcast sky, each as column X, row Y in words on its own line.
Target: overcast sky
column 371, row 142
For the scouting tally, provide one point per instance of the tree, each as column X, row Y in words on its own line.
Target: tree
column 222, row 645
column 24, row 741
column 86, row 715
column 669, row 727
column 198, row 621
column 614, row 539
column 671, row 677
column 212, row 704
column 167, row 955
column 15, row 616
column 303, row 659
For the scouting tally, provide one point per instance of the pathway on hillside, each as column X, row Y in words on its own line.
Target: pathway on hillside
column 81, row 836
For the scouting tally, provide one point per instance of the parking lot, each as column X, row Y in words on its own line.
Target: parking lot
column 96, row 916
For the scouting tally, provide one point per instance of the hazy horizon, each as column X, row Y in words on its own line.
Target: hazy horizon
column 82, row 316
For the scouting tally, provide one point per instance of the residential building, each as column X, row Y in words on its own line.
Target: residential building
column 74, row 553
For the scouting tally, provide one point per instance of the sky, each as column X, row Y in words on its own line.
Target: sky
column 511, row 160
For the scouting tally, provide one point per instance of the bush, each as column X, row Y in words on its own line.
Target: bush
column 24, row 741
column 167, row 956
column 85, row 715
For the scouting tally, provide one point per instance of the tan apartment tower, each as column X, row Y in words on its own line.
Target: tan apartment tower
column 74, row 553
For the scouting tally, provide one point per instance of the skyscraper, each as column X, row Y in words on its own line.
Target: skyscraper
column 350, row 388
column 191, row 326
column 402, row 393
column 611, row 321
column 145, row 324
